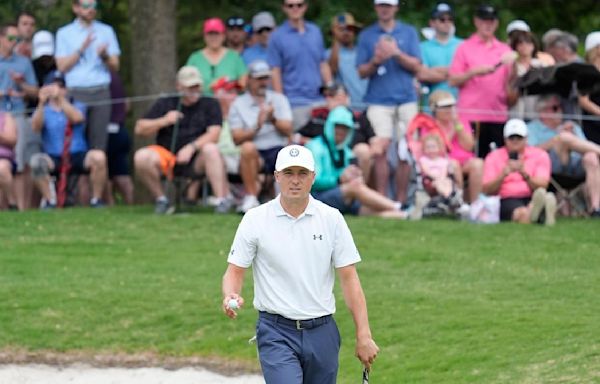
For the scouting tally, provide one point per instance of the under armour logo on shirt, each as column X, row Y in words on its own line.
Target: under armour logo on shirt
column 315, row 237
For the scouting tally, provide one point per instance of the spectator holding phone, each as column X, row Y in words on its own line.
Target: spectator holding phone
column 519, row 173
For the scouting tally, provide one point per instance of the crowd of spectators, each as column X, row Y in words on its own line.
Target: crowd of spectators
column 399, row 124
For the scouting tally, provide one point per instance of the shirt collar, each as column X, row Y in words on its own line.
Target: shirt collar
column 310, row 210
column 480, row 41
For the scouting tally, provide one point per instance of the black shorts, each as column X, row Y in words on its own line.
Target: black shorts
column 269, row 157
column 117, row 153
column 508, row 205
column 77, row 163
column 13, row 165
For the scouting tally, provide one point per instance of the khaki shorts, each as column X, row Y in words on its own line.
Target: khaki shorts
column 391, row 121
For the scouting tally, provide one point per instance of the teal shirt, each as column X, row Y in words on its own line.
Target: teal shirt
column 231, row 66
column 436, row 54
column 538, row 133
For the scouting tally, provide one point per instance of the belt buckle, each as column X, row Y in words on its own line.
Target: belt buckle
column 299, row 325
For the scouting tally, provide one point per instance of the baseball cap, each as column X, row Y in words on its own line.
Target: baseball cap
column 517, row 25
column 214, row 24
column 224, row 84
column 42, row 44
column 259, row 68
column 592, row 41
column 515, row 127
column 441, row 9
column 345, row 20
column 294, row 156
column 388, row 2
column 188, row 76
column 445, row 102
column 235, row 21
column 486, row 12
column 263, row 20
column 54, row 77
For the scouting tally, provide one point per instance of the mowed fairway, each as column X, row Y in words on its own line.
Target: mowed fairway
column 449, row 302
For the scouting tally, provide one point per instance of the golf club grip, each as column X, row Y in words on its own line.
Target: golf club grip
column 365, row 376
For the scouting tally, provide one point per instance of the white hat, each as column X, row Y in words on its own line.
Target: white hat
column 388, row 2
column 294, row 156
column 515, row 127
column 517, row 25
column 592, row 41
column 42, row 44
column 189, row 76
column 263, row 20
column 259, row 68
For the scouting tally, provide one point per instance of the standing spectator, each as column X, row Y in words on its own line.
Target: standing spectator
column 26, row 27
column 42, row 56
column 235, row 34
column 297, row 55
column 389, row 56
column 53, row 113
column 438, row 52
column 195, row 142
column 261, row 124
column 342, row 58
column 295, row 245
column 563, row 47
column 8, row 139
column 17, row 80
column 119, row 145
column 570, row 152
column 590, row 104
column 519, row 173
column 263, row 24
column 215, row 61
column 86, row 51
column 478, row 71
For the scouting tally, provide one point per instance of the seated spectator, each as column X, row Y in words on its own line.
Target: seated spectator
column 261, row 124
column 342, row 56
column 52, row 118
column 590, row 104
column 215, row 61
column 519, row 173
column 570, row 152
column 458, row 135
column 186, row 129
column 338, row 182
column 364, row 143
column 263, row 24
column 8, row 139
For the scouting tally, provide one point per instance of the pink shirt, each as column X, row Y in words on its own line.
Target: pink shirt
column 5, row 151
column 457, row 152
column 486, row 94
column 434, row 167
column 536, row 164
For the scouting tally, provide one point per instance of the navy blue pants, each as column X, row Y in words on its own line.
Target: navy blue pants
column 298, row 356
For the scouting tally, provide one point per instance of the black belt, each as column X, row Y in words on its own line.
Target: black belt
column 298, row 324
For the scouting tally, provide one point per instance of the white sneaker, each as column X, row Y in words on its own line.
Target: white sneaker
column 249, row 202
column 550, row 207
column 538, row 200
column 421, row 200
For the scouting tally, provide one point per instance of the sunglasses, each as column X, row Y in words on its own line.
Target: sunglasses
column 554, row 108
column 445, row 19
column 294, row 5
column 13, row 38
column 90, row 5
column 264, row 29
column 236, row 22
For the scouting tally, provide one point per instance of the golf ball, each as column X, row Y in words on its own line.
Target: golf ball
column 233, row 304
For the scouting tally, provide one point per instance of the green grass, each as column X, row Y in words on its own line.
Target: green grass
column 449, row 302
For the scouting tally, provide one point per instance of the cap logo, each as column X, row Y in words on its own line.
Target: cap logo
column 294, row 152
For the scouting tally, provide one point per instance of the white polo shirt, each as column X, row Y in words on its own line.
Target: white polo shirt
column 294, row 259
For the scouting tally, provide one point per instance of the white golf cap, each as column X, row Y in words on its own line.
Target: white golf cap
column 517, row 25
column 592, row 41
column 387, row 2
column 515, row 127
column 42, row 44
column 294, row 156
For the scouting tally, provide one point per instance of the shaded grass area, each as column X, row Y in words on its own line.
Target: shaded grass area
column 449, row 302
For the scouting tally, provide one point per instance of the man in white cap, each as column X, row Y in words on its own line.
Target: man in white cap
column 294, row 244
column 519, row 173
column 187, row 129
column 261, row 124
column 263, row 24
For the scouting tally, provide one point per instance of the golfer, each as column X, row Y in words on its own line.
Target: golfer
column 293, row 244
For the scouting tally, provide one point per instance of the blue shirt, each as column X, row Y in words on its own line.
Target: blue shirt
column 53, row 133
column 253, row 53
column 437, row 54
column 347, row 74
column 299, row 57
column 90, row 70
column 391, row 84
column 18, row 64
column 538, row 133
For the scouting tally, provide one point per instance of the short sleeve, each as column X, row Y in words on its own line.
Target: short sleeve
column 244, row 247
column 363, row 51
column 214, row 115
column 157, row 110
column 344, row 251
column 113, row 43
column 458, row 65
column 30, row 74
column 61, row 49
column 543, row 167
column 234, row 118
column 282, row 108
column 414, row 48
column 492, row 167
column 273, row 54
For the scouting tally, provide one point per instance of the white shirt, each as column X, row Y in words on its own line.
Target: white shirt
column 293, row 259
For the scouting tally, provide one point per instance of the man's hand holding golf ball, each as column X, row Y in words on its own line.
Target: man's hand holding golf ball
column 231, row 303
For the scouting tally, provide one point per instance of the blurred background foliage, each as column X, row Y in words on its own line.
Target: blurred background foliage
column 579, row 17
